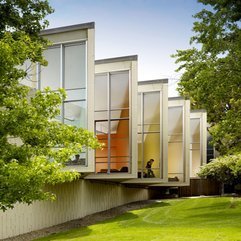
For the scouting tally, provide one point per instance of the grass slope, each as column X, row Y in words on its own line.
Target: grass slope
column 199, row 219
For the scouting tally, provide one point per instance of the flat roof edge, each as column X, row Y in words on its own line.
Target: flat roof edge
column 117, row 59
column 177, row 98
column 199, row 110
column 154, row 81
column 69, row 28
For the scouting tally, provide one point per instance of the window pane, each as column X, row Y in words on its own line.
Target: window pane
column 151, row 147
column 50, row 75
column 120, row 128
column 101, row 115
column 75, row 113
column 139, row 112
column 195, row 130
column 78, row 159
column 119, row 164
column 117, row 114
column 75, row 66
column 175, row 124
column 101, row 92
column 151, row 111
column 120, row 138
column 101, row 128
column 119, row 90
column 101, row 165
column 175, row 144
column 78, row 94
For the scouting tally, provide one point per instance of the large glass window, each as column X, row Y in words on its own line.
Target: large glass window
column 149, row 134
column 50, row 75
column 195, row 145
column 112, row 122
column 74, row 66
column 175, row 144
column 67, row 69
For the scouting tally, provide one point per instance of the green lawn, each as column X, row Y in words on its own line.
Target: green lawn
column 196, row 219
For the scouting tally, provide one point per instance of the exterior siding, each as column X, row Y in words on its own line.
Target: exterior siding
column 74, row 200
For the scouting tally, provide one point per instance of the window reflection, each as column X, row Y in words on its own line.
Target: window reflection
column 75, row 113
column 67, row 69
column 175, row 144
column 50, row 75
column 112, row 122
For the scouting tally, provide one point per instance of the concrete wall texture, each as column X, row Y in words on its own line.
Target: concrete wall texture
column 74, row 200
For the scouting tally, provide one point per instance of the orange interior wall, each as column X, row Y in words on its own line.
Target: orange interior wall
column 119, row 146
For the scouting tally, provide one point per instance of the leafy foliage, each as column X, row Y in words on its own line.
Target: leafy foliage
column 212, row 67
column 33, row 145
column 226, row 169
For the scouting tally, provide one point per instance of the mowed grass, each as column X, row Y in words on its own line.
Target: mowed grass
column 194, row 219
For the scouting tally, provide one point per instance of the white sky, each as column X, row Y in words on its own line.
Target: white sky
column 152, row 29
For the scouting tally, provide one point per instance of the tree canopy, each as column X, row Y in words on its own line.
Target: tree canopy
column 226, row 170
column 33, row 145
column 212, row 68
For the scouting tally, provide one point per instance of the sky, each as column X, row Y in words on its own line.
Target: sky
column 152, row 29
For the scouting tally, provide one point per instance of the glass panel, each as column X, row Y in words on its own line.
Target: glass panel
column 175, row 124
column 101, row 155
column 195, row 145
column 152, row 128
column 195, row 130
column 196, row 161
column 152, row 151
column 50, row 75
column 75, row 113
column 78, row 94
column 119, row 164
column 101, row 115
column 119, row 90
column 175, row 144
column 139, row 112
column 78, row 159
column 75, row 66
column 101, row 165
column 152, row 111
column 120, row 128
column 140, row 150
column 120, row 139
column 101, row 92
column 117, row 114
column 149, row 140
column 101, row 129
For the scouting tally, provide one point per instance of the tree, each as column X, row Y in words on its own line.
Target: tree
column 226, row 170
column 212, row 67
column 33, row 145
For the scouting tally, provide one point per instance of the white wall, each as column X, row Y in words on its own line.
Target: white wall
column 75, row 200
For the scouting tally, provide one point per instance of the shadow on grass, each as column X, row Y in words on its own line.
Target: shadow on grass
column 68, row 235
column 82, row 232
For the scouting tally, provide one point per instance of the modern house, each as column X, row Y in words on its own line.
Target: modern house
column 135, row 122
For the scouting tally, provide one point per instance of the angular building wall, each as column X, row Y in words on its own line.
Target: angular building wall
column 178, row 140
column 115, row 118
column 152, row 132
column 71, row 66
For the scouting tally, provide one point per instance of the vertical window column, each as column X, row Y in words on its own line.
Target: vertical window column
column 112, row 121
column 149, row 135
